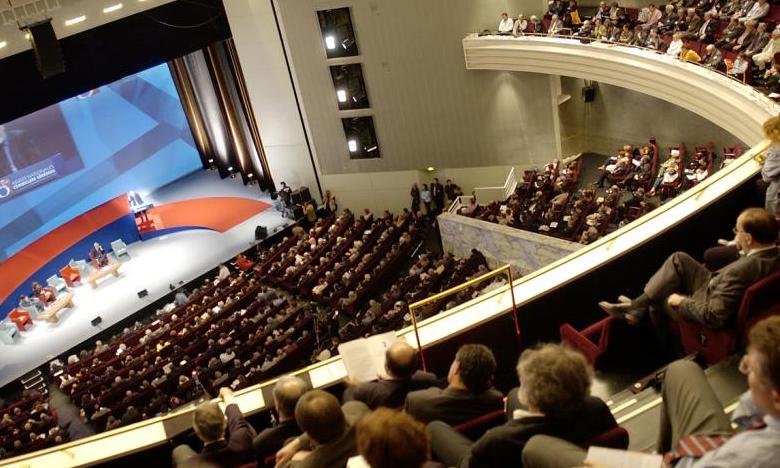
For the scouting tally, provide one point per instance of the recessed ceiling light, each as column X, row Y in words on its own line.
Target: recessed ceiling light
column 352, row 145
column 342, row 95
column 112, row 8
column 76, row 20
column 330, row 42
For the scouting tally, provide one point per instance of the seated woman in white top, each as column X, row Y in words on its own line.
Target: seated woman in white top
column 675, row 47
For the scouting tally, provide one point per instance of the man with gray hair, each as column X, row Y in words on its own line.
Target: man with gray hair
column 286, row 393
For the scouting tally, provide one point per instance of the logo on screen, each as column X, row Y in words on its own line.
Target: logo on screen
column 5, row 188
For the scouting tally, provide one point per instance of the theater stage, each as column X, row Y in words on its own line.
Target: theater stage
column 153, row 265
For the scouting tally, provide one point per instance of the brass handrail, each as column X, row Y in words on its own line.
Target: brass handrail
column 506, row 269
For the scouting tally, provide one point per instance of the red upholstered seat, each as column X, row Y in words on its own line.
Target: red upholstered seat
column 21, row 318
column 70, row 275
column 474, row 428
column 592, row 341
column 760, row 301
column 616, row 438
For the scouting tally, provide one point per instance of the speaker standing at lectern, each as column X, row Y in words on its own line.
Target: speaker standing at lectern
column 98, row 255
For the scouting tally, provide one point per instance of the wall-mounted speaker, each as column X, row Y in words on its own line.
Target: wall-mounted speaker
column 48, row 54
column 143, row 293
column 589, row 93
column 96, row 321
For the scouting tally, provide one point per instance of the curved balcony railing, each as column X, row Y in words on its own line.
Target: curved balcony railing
column 728, row 103
column 635, row 68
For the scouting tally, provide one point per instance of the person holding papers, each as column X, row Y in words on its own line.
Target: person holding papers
column 399, row 378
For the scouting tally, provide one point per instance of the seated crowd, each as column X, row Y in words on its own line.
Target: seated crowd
column 29, row 424
column 549, row 420
column 549, row 201
column 248, row 325
column 737, row 37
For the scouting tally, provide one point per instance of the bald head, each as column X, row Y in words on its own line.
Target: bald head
column 400, row 360
column 287, row 392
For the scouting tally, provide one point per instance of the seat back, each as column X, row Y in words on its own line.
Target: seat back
column 474, row 428
column 616, row 438
column 592, row 341
column 119, row 247
column 760, row 301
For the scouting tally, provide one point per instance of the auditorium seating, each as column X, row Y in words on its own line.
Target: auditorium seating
column 264, row 312
column 759, row 301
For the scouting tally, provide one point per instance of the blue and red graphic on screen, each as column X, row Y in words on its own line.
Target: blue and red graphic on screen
column 27, row 162
column 66, row 159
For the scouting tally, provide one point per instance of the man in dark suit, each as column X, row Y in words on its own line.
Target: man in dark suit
column 685, row 288
column 555, row 395
column 287, row 391
column 401, row 378
column 209, row 424
column 470, row 392
column 17, row 151
column 708, row 28
column 329, row 432
column 437, row 193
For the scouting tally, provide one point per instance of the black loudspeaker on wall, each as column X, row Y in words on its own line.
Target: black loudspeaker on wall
column 96, row 321
column 142, row 293
column 589, row 93
column 48, row 54
column 261, row 232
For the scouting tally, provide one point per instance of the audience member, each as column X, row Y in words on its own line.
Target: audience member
column 287, row 391
column 685, row 288
column 770, row 170
column 392, row 439
column 401, row 377
column 209, row 424
column 328, row 438
column 554, row 399
column 692, row 414
column 469, row 392
column 505, row 24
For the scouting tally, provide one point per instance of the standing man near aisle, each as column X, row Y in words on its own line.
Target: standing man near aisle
column 437, row 192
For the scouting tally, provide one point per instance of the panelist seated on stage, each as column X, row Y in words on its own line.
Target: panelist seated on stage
column 98, row 255
column 26, row 301
column 45, row 294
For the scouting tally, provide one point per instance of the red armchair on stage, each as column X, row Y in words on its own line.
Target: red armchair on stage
column 21, row 318
column 70, row 275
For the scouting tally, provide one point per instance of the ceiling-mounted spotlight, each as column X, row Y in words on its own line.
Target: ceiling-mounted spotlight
column 330, row 42
column 76, row 20
column 341, row 95
column 352, row 145
column 347, row 43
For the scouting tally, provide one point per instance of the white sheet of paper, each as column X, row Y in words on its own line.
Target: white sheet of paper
column 613, row 458
column 365, row 358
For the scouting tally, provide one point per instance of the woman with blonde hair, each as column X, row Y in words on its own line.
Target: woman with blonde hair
column 770, row 171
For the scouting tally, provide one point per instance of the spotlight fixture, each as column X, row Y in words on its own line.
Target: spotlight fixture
column 352, row 145
column 330, row 42
column 347, row 43
column 342, row 95
column 371, row 148
column 430, row 168
column 76, row 20
column 3, row 44
column 112, row 8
